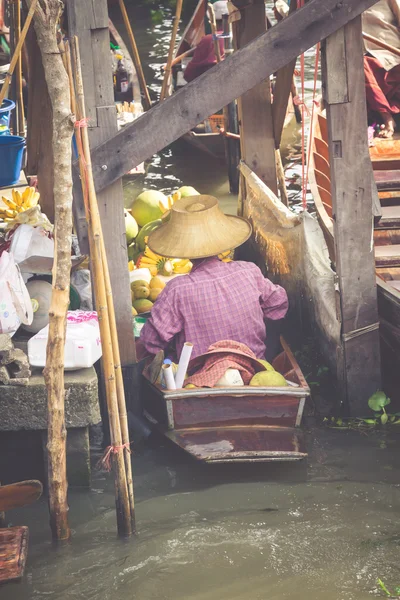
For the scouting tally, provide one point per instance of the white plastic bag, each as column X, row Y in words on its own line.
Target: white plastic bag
column 15, row 303
column 30, row 241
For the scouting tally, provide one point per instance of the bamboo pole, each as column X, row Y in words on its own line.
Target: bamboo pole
column 105, row 307
column 281, row 177
column 17, row 51
column 20, row 99
column 46, row 19
column 136, row 57
column 167, row 73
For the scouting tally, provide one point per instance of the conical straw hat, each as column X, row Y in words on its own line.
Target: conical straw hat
column 198, row 228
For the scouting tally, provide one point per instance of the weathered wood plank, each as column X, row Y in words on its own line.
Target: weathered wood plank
column 351, row 174
column 238, row 73
column 255, row 109
column 99, row 96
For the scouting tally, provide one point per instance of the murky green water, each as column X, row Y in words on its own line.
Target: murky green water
column 322, row 530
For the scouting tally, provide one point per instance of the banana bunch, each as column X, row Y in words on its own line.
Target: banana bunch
column 225, row 256
column 19, row 203
column 181, row 265
column 155, row 263
column 164, row 207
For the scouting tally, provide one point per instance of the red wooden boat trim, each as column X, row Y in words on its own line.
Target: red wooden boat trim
column 13, row 553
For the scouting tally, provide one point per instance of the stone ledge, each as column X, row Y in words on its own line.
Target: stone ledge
column 26, row 407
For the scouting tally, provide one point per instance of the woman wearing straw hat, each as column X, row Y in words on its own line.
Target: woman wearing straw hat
column 217, row 300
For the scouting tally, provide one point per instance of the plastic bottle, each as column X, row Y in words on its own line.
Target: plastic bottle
column 122, row 78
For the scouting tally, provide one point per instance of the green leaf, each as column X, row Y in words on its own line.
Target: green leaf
column 384, row 418
column 383, row 587
column 370, row 421
column 378, row 400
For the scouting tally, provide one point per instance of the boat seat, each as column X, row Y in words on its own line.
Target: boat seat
column 388, row 255
column 387, row 180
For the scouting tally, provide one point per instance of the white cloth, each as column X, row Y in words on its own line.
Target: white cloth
column 383, row 22
column 220, row 9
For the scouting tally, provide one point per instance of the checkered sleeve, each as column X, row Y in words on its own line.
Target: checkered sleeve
column 164, row 323
column 274, row 301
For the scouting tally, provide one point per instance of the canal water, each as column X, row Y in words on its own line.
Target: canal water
column 325, row 529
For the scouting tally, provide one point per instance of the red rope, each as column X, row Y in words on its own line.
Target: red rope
column 105, row 462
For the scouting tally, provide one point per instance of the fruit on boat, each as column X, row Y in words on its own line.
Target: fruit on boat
column 166, row 205
column 159, row 264
column 134, row 312
column 131, row 227
column 19, row 203
column 145, row 232
column 142, row 305
column 181, row 265
column 188, row 190
column 225, row 256
column 154, row 293
column 157, row 282
column 141, row 292
column 145, row 208
column 266, row 364
column 268, row 379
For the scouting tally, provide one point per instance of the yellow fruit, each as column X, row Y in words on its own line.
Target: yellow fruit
column 158, row 283
column 134, row 312
column 267, row 365
column 268, row 379
column 190, row 386
column 154, row 293
column 143, row 305
column 141, row 292
column 139, row 283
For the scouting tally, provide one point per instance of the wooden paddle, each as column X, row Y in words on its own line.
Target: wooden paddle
column 19, row 494
column 381, row 44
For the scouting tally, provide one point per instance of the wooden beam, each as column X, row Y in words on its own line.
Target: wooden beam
column 283, row 87
column 89, row 21
column 228, row 80
column 351, row 173
column 257, row 139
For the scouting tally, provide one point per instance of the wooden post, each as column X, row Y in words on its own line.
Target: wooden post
column 255, row 109
column 232, row 146
column 89, row 22
column 20, row 100
column 46, row 19
column 351, row 172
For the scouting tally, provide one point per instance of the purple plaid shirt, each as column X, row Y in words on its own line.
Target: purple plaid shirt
column 216, row 301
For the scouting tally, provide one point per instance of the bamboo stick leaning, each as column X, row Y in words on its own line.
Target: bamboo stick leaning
column 136, row 57
column 20, row 99
column 167, row 73
column 17, row 51
column 119, row 451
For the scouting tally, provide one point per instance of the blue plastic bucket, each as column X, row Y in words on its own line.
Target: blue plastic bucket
column 5, row 112
column 11, row 156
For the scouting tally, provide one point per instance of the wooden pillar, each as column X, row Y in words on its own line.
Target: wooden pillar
column 255, row 109
column 89, row 21
column 358, row 355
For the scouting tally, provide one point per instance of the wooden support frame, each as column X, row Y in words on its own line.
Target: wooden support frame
column 89, row 21
column 168, row 121
column 256, row 125
column 358, row 356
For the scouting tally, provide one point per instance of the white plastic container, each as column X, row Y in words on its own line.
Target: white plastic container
column 82, row 346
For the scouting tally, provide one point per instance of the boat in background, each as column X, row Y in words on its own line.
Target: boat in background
column 234, row 425
column 385, row 157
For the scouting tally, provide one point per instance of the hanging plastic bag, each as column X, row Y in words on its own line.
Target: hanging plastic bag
column 30, row 241
column 15, row 303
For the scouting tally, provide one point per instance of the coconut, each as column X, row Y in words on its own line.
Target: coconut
column 268, row 379
column 145, row 231
column 131, row 227
column 188, row 190
column 145, row 208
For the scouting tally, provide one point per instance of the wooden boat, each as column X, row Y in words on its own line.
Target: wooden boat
column 14, row 540
column 245, row 424
column 13, row 553
column 385, row 156
column 205, row 137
